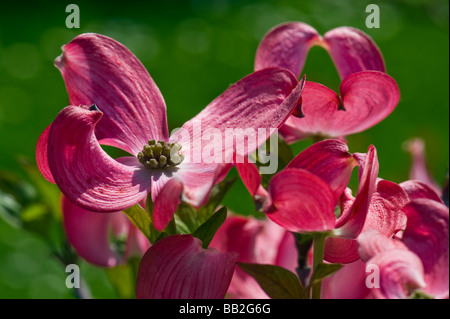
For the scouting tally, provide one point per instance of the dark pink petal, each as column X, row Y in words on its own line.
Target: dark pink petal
column 99, row 70
column 427, row 235
column 329, row 160
column 416, row 189
column 86, row 175
column 352, row 51
column 250, row 176
column 352, row 220
column 303, row 201
column 177, row 267
column 286, row 46
column 89, row 233
column 259, row 103
column 319, row 105
column 166, row 203
column 42, row 155
column 385, row 215
column 341, row 250
column 385, row 211
column 366, row 98
column 419, row 170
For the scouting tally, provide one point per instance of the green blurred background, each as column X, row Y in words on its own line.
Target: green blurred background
column 194, row 50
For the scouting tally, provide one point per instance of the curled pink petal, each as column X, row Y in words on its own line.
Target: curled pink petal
column 303, row 202
column 240, row 119
column 371, row 242
column 42, row 155
column 352, row 220
column 177, row 267
column 166, row 203
column 385, row 211
column 400, row 273
column 319, row 106
column 366, row 98
column 352, row 51
column 250, row 176
column 87, row 175
column 286, row 46
column 416, row 189
column 99, row 70
column 89, row 233
column 384, row 215
column 427, row 235
column 329, row 160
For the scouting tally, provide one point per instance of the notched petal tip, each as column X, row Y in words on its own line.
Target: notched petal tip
column 60, row 61
column 94, row 107
column 298, row 109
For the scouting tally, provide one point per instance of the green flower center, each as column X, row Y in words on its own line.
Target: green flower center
column 160, row 155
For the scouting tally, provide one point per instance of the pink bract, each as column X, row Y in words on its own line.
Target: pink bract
column 127, row 111
column 177, row 267
column 367, row 93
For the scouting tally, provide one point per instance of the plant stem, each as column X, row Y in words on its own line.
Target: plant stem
column 318, row 252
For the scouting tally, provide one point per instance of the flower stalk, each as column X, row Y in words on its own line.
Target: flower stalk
column 318, row 253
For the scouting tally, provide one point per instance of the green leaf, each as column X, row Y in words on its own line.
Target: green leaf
column 216, row 195
column 322, row 271
column 209, row 228
column 277, row 282
column 9, row 209
column 284, row 155
column 123, row 278
column 34, row 212
column 49, row 192
column 188, row 219
column 142, row 220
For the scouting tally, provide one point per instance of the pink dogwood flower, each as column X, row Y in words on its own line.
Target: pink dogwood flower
column 383, row 214
column 114, row 101
column 303, row 197
column 418, row 262
column 367, row 93
column 104, row 240
column 256, row 241
column 177, row 267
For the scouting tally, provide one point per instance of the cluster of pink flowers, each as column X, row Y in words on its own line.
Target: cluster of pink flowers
column 313, row 221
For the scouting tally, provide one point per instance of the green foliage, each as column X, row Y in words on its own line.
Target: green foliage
column 209, row 228
column 277, row 282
